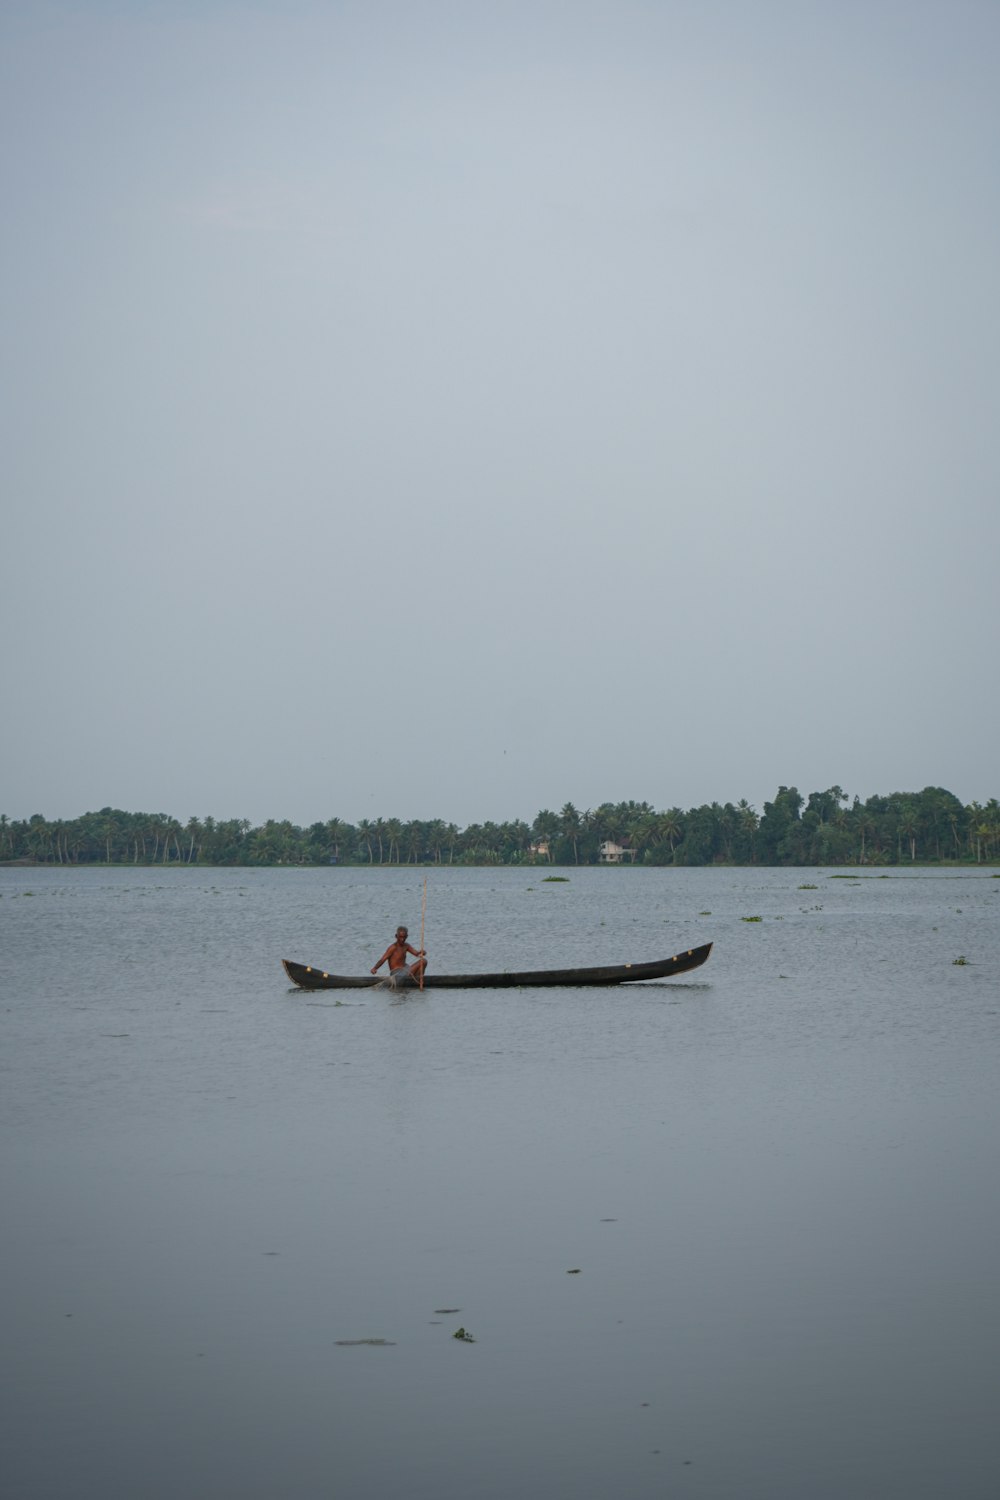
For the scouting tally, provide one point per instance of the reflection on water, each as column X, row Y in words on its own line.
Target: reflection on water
column 245, row 1223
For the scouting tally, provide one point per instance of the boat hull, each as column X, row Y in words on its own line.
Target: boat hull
column 309, row 977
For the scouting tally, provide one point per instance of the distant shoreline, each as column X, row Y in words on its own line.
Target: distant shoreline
column 870, row 871
column 827, row 828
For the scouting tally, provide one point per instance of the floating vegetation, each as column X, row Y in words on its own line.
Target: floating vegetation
column 373, row 1343
column 961, row 961
column 808, row 887
column 463, row 1336
column 575, row 1271
column 704, row 914
column 555, row 879
column 751, row 919
column 447, row 1309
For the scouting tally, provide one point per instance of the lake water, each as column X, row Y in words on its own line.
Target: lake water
column 735, row 1235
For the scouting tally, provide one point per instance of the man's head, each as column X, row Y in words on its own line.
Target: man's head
column 402, row 933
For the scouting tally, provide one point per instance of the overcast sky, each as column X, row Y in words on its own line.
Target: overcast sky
column 454, row 409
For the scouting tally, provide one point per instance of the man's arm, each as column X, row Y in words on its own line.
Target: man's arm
column 382, row 960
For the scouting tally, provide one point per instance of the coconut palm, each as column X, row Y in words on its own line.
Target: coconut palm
column 671, row 826
column 193, row 831
column 865, row 825
column 569, row 828
column 415, row 840
column 975, row 817
column 393, row 832
column 545, row 831
column 906, row 828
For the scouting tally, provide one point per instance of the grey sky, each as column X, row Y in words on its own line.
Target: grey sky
column 454, row 409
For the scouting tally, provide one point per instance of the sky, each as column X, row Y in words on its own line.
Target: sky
column 453, row 410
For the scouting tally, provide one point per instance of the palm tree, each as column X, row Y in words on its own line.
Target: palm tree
column 671, row 826
column 569, row 827
column 544, row 831
column 608, row 823
column 984, row 833
column 152, row 830
column 975, row 816
column 748, row 821
column 646, row 835
column 209, row 844
column 436, row 834
column 413, row 834
column 193, row 830
column 110, row 830
column 517, row 836
column 265, row 844
column 59, row 832
column 906, row 828
column 992, row 820
column 393, row 832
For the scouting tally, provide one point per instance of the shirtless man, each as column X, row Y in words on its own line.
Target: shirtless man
column 396, row 954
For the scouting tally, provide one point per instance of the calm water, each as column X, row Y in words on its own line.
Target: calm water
column 776, row 1181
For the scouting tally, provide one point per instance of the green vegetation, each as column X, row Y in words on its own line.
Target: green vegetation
column 903, row 828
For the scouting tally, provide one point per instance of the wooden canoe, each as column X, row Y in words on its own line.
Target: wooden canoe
column 309, row 977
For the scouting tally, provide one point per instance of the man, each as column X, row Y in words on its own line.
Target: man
column 396, row 954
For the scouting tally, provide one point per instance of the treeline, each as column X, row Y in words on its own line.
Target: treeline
column 825, row 828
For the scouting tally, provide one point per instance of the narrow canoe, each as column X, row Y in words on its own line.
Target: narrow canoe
column 309, row 977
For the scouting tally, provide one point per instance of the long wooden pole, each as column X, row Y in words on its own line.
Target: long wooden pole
column 423, row 918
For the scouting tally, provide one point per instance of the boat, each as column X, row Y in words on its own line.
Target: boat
column 310, row 977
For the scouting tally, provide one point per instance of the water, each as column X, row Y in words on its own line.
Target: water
column 731, row 1235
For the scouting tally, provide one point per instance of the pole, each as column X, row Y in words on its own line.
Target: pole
column 423, row 917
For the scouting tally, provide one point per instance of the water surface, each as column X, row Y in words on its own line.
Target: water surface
column 735, row 1234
